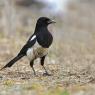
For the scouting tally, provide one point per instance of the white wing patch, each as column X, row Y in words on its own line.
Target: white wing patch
column 30, row 54
column 33, row 38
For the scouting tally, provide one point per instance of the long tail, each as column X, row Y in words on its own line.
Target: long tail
column 12, row 61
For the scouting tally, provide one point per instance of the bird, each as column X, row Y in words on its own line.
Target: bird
column 37, row 45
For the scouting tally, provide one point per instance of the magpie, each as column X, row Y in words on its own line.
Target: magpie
column 37, row 45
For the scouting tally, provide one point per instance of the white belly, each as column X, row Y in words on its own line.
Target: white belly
column 36, row 51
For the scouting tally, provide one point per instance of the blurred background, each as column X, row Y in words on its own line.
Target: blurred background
column 72, row 55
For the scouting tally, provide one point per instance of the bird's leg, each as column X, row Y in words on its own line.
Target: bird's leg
column 45, row 69
column 42, row 63
column 34, row 70
column 31, row 64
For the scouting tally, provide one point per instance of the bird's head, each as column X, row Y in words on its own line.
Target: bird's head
column 44, row 21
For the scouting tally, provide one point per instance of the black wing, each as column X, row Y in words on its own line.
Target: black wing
column 22, row 52
column 29, row 44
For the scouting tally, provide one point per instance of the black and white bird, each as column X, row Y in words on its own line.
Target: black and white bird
column 37, row 45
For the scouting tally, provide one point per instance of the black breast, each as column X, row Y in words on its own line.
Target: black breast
column 45, row 39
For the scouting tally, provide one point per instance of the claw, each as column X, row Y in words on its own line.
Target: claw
column 47, row 74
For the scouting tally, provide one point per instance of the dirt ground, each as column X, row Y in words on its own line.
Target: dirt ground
column 72, row 73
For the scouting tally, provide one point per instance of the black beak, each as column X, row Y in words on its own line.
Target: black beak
column 51, row 21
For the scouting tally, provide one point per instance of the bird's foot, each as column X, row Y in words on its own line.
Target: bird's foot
column 47, row 74
column 35, row 75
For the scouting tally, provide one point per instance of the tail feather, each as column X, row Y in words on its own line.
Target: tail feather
column 12, row 61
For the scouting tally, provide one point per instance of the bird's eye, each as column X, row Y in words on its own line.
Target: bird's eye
column 48, row 21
